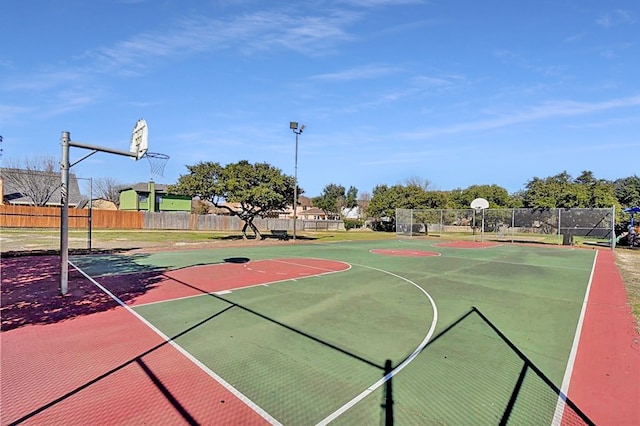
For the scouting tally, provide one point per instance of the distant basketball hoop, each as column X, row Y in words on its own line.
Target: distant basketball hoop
column 479, row 205
column 157, row 162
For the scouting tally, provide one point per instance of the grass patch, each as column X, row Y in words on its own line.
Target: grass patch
column 33, row 239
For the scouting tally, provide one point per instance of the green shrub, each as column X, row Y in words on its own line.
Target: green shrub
column 353, row 223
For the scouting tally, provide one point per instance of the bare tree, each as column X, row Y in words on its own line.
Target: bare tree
column 108, row 189
column 363, row 202
column 418, row 182
column 36, row 178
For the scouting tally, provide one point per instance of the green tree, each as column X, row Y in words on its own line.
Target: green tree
column 561, row 191
column 436, row 200
column 497, row 196
column 384, row 200
column 330, row 200
column 550, row 192
column 258, row 189
column 352, row 197
column 334, row 198
column 627, row 191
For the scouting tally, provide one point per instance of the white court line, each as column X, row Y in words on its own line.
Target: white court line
column 331, row 417
column 230, row 290
column 328, row 271
column 184, row 352
column 560, row 405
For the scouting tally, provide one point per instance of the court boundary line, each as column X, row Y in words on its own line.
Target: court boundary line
column 479, row 247
column 566, row 381
column 389, row 252
column 510, row 262
column 255, row 407
column 327, row 271
column 349, row 404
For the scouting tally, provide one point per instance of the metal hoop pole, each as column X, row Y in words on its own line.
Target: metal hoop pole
column 64, row 215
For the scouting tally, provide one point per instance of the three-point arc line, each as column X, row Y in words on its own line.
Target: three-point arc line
column 260, row 411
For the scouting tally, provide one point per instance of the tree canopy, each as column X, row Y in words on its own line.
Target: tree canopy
column 257, row 189
column 562, row 191
column 386, row 199
column 334, row 198
column 627, row 191
column 497, row 196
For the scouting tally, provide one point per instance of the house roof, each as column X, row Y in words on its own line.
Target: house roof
column 160, row 188
column 312, row 211
column 304, row 201
column 12, row 194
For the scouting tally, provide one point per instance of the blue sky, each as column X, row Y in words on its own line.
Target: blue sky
column 454, row 92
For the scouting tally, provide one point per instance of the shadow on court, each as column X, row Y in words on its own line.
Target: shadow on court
column 468, row 364
column 30, row 289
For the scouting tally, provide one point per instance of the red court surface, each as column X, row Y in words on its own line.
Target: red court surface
column 89, row 370
column 202, row 279
column 606, row 376
column 104, row 365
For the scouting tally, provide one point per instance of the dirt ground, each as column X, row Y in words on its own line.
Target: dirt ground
column 628, row 261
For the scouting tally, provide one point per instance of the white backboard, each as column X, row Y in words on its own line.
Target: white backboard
column 479, row 204
column 139, row 139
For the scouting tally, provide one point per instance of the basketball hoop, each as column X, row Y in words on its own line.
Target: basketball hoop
column 157, row 162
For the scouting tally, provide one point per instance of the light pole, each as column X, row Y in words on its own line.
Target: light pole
column 293, row 125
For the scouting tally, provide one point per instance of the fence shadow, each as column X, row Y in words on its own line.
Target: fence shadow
column 471, row 373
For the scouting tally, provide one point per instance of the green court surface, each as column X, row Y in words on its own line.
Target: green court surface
column 314, row 348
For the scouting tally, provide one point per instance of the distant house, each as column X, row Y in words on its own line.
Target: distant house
column 352, row 212
column 102, row 204
column 304, row 203
column 152, row 197
column 314, row 213
column 206, row 207
column 13, row 194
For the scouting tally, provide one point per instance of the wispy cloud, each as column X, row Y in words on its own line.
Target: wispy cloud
column 543, row 111
column 358, row 73
column 573, row 38
column 247, row 34
column 439, row 82
column 612, row 52
column 9, row 113
column 262, row 31
column 43, row 81
column 517, row 59
column 378, row 3
column 69, row 101
column 614, row 18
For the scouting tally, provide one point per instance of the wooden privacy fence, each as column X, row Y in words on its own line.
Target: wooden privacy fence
column 49, row 217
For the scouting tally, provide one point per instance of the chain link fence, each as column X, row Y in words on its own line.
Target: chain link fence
column 515, row 225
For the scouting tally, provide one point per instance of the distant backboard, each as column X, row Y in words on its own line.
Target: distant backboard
column 479, row 204
column 139, row 139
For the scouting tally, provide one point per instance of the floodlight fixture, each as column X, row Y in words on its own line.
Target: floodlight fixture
column 293, row 125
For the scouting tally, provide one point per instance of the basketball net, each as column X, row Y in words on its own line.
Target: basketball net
column 157, row 162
